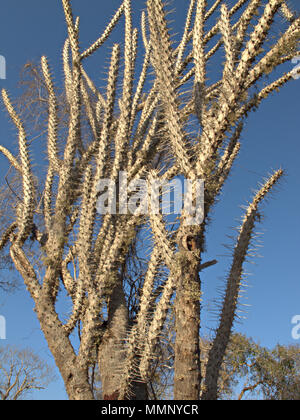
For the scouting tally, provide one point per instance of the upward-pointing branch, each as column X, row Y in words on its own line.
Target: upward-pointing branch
column 230, row 301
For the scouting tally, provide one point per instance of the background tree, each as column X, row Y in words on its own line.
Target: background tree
column 84, row 256
column 258, row 372
column 21, row 372
column 248, row 371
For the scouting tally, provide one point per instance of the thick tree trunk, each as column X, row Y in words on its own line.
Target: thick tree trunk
column 111, row 354
column 187, row 375
column 77, row 385
column 111, row 349
column 75, row 376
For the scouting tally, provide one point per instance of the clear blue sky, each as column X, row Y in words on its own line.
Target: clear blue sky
column 271, row 139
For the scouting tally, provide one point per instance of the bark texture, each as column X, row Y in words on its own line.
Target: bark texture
column 187, row 375
column 112, row 350
column 121, row 297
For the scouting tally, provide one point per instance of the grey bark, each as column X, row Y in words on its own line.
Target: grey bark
column 112, row 349
column 187, row 374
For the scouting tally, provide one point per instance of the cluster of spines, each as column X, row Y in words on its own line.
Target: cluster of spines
column 25, row 219
column 164, row 67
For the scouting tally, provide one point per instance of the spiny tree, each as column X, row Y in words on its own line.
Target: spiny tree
column 146, row 131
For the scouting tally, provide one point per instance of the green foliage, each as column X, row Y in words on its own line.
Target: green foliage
column 268, row 374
